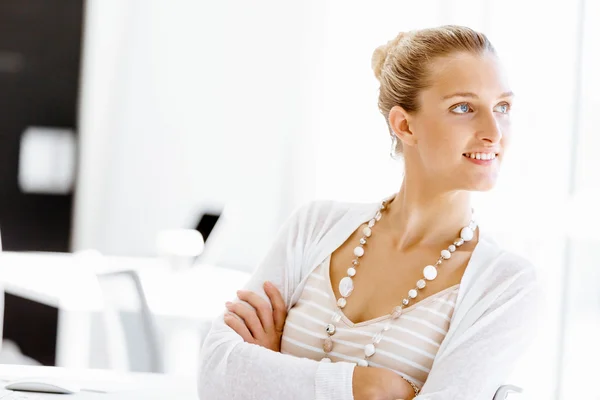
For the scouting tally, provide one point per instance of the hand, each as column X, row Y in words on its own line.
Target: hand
column 370, row 383
column 259, row 325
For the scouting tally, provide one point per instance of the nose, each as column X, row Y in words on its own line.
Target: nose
column 490, row 129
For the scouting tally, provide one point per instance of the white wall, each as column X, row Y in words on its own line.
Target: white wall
column 187, row 104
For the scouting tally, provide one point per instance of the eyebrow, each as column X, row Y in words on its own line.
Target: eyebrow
column 473, row 95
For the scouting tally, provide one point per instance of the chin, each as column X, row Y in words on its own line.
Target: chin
column 484, row 188
column 480, row 181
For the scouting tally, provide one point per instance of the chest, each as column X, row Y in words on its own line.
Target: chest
column 384, row 276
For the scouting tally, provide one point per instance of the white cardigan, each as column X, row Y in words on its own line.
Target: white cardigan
column 492, row 323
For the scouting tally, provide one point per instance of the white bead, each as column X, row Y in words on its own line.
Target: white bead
column 429, row 272
column 363, row 363
column 369, row 350
column 377, row 338
column 326, row 360
column 459, row 242
column 378, row 215
column 421, row 283
column 367, row 231
column 363, row 241
column 351, row 271
column 412, row 293
column 372, row 223
column 337, row 316
column 387, row 326
column 359, row 251
column 330, row 329
column 446, row 254
column 466, row 234
column 405, row 301
column 346, row 286
column 341, row 302
column 452, row 248
column 396, row 312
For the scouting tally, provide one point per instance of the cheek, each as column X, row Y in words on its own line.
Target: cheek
column 445, row 138
column 506, row 128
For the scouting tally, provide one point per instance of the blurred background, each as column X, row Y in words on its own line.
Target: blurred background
column 151, row 149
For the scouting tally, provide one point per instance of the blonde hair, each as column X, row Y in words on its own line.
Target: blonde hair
column 401, row 65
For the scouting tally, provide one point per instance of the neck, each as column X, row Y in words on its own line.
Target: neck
column 418, row 216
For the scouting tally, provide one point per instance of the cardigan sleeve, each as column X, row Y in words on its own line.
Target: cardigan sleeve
column 233, row 369
column 480, row 359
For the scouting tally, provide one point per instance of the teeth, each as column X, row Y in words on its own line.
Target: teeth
column 481, row 156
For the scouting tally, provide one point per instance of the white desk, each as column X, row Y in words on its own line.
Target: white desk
column 184, row 302
column 120, row 386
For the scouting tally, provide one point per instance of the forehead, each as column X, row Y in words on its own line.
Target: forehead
column 481, row 74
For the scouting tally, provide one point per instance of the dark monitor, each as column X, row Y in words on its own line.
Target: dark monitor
column 207, row 223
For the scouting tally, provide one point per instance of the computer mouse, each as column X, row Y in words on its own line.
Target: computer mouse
column 43, row 385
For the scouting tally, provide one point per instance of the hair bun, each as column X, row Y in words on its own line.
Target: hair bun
column 381, row 54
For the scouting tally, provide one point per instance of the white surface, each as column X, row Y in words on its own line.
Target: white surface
column 184, row 302
column 120, row 386
column 49, row 278
column 62, row 280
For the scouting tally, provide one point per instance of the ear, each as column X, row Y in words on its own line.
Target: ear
column 399, row 121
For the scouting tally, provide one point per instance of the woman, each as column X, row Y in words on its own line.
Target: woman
column 402, row 298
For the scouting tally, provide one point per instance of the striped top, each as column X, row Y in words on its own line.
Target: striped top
column 408, row 349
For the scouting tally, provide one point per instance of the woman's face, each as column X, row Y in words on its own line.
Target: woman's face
column 462, row 127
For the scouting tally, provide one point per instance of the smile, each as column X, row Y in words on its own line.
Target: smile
column 481, row 156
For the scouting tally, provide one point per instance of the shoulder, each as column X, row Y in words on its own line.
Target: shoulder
column 320, row 226
column 503, row 272
column 325, row 213
column 507, row 265
column 500, row 284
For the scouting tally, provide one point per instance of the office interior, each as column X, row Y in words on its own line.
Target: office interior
column 151, row 149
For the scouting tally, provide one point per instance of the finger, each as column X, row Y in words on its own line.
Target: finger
column 279, row 307
column 239, row 327
column 262, row 307
column 249, row 316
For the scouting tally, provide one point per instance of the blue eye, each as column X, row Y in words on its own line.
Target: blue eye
column 461, row 109
column 503, row 108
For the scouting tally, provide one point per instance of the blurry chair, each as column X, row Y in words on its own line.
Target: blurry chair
column 505, row 390
column 131, row 334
